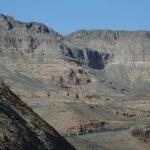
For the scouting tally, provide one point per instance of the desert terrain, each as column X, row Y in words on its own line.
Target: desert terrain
column 91, row 86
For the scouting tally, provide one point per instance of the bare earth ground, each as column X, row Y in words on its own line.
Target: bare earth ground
column 119, row 113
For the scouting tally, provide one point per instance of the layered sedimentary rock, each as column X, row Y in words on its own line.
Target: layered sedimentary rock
column 126, row 53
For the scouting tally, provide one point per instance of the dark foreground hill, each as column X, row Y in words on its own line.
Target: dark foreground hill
column 22, row 129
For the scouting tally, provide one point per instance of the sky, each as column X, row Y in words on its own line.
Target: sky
column 66, row 16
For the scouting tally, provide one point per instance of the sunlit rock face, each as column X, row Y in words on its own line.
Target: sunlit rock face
column 127, row 53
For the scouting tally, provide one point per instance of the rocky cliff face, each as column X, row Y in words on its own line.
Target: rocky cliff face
column 126, row 53
column 26, row 37
column 21, row 128
column 86, row 56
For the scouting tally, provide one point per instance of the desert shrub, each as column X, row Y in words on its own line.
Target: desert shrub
column 141, row 132
column 77, row 96
column 92, row 96
column 135, row 130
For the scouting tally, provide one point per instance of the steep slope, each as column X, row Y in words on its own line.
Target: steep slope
column 21, row 128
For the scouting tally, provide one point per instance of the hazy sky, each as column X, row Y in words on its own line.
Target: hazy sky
column 67, row 16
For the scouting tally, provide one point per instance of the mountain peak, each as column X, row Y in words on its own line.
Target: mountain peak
column 9, row 23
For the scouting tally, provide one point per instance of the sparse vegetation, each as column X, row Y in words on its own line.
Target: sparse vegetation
column 92, row 96
column 20, row 126
column 141, row 132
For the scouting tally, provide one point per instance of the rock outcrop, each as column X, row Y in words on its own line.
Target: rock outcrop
column 126, row 53
column 86, row 56
column 141, row 132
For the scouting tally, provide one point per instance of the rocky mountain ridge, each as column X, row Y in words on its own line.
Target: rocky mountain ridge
column 125, row 49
